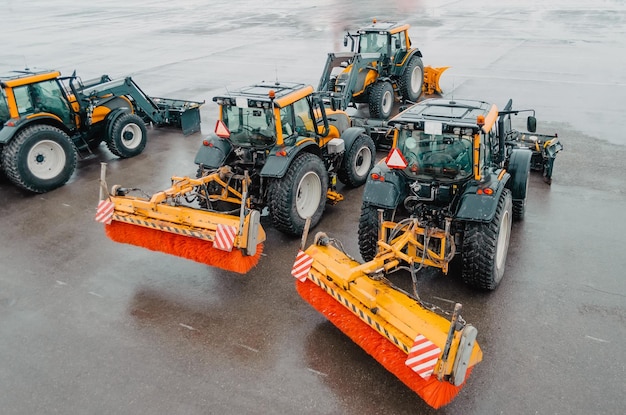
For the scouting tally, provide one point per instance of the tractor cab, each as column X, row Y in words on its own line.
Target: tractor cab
column 389, row 40
column 437, row 136
column 27, row 93
column 268, row 114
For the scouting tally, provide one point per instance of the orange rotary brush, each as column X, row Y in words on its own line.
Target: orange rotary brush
column 199, row 250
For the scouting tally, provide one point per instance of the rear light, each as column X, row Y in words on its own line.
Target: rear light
column 378, row 177
column 486, row 191
column 207, row 143
column 281, row 153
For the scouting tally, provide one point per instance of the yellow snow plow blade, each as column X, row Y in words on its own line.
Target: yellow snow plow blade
column 431, row 79
column 429, row 353
column 163, row 222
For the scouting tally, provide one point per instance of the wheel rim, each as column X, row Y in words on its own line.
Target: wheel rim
column 46, row 159
column 308, row 194
column 131, row 136
column 387, row 102
column 417, row 78
column 362, row 161
column 503, row 236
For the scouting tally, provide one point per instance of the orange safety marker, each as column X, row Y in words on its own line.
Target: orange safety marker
column 221, row 130
column 395, row 160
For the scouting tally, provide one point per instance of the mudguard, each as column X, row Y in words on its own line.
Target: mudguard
column 112, row 116
column 519, row 169
column 7, row 132
column 276, row 166
column 350, row 135
column 480, row 207
column 398, row 70
column 215, row 153
column 385, row 194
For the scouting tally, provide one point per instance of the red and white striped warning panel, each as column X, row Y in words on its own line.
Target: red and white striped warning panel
column 104, row 214
column 225, row 237
column 302, row 266
column 423, row 356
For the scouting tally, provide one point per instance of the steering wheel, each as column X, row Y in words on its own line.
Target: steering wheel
column 439, row 159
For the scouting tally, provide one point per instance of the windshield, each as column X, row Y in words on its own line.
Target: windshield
column 446, row 156
column 249, row 126
column 373, row 42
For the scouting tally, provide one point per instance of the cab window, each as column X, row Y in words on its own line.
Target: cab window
column 303, row 121
column 4, row 108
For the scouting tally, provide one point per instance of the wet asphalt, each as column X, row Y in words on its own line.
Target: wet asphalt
column 91, row 326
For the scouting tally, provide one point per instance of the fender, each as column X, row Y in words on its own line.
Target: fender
column 214, row 153
column 112, row 116
column 519, row 169
column 350, row 135
column 400, row 67
column 386, row 194
column 276, row 166
column 480, row 208
column 14, row 126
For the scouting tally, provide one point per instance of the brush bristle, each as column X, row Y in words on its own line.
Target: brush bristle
column 182, row 246
column 434, row 392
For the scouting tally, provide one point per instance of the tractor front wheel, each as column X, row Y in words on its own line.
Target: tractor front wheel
column 485, row 246
column 299, row 194
column 128, row 136
column 40, row 158
column 412, row 80
column 358, row 161
column 381, row 100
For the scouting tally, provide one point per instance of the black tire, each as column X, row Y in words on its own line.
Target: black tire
column 40, row 158
column 128, row 136
column 300, row 193
column 357, row 162
column 519, row 168
column 368, row 230
column 519, row 209
column 411, row 82
column 485, row 246
column 381, row 99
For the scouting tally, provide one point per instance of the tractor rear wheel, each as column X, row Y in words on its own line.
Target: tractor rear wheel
column 40, row 158
column 299, row 194
column 358, row 161
column 381, row 100
column 368, row 230
column 412, row 80
column 485, row 246
column 128, row 136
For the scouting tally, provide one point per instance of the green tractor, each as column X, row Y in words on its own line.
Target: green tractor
column 46, row 120
column 382, row 66
column 453, row 183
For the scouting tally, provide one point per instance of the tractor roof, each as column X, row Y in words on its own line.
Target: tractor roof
column 27, row 76
column 391, row 27
column 285, row 93
column 462, row 112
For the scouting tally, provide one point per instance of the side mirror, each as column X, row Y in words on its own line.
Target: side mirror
column 345, row 41
column 531, row 124
column 398, row 44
